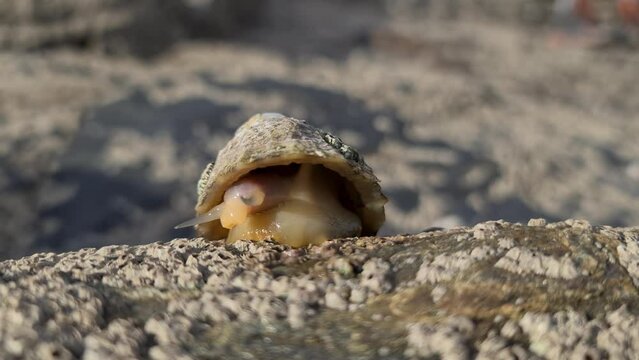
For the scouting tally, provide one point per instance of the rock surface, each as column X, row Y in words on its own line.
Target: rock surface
column 463, row 119
column 496, row 290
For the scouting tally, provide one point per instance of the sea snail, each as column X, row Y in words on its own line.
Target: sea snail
column 280, row 178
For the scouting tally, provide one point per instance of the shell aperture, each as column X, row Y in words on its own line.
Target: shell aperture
column 251, row 194
column 297, row 208
column 306, row 211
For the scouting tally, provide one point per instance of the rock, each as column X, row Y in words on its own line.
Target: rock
column 552, row 292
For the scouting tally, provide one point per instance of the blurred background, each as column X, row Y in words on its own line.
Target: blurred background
column 467, row 110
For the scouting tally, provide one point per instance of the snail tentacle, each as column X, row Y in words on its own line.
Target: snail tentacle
column 212, row 215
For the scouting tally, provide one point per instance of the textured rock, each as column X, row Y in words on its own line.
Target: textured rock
column 435, row 293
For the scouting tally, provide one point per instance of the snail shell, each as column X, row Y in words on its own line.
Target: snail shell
column 284, row 179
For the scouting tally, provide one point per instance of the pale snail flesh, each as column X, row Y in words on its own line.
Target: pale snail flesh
column 296, row 209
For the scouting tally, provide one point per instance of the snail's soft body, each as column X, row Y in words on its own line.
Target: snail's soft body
column 281, row 178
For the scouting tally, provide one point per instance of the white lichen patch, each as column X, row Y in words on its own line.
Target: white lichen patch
column 579, row 224
column 496, row 347
column 120, row 340
column 484, row 230
column 570, row 335
column 537, row 222
column 628, row 254
column 445, row 266
column 523, row 261
column 447, row 340
column 437, row 293
column 506, row 243
column 621, row 338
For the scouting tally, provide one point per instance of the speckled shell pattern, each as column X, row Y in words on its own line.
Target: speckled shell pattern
column 271, row 139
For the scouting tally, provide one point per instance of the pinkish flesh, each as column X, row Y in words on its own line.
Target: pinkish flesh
column 297, row 210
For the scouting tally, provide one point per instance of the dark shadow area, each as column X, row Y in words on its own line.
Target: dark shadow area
column 145, row 28
column 329, row 28
column 107, row 195
column 406, row 199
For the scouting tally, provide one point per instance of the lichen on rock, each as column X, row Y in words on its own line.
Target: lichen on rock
column 498, row 290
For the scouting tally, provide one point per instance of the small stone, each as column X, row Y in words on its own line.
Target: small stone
column 579, row 224
column 343, row 267
column 481, row 231
column 438, row 292
column 510, row 329
column 335, row 301
column 296, row 315
column 442, row 341
column 537, row 222
column 376, row 276
column 359, row 295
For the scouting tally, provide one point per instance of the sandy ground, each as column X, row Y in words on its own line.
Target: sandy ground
column 463, row 119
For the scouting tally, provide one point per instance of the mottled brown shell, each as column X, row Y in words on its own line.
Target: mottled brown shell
column 273, row 139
